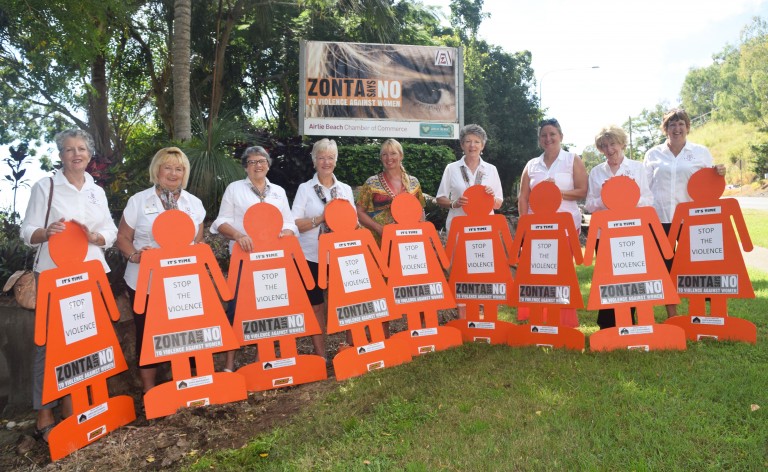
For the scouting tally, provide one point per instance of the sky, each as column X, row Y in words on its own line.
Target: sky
column 643, row 50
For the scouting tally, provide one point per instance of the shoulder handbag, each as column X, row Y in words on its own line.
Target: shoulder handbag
column 25, row 288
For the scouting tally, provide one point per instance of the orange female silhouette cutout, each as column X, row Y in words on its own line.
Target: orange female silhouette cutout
column 708, row 261
column 185, row 318
column 272, row 305
column 416, row 259
column 480, row 274
column 74, row 308
column 548, row 244
column 629, row 271
column 351, row 266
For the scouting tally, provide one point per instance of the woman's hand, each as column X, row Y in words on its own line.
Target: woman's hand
column 245, row 242
column 720, row 169
column 286, row 232
column 55, row 228
column 93, row 238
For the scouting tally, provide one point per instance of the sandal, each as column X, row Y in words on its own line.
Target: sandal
column 41, row 434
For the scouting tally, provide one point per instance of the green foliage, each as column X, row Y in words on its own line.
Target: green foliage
column 213, row 160
column 592, row 157
column 760, row 161
column 645, row 130
column 17, row 157
column 735, row 86
column 497, row 96
column 425, row 162
column 14, row 254
column 735, row 144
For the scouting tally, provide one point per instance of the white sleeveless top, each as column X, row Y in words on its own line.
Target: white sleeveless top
column 561, row 171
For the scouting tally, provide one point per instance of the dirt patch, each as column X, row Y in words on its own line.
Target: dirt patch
column 163, row 443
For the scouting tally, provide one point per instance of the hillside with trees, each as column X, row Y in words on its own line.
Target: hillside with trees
column 728, row 105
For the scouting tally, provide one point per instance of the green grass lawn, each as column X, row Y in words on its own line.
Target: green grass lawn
column 757, row 223
column 481, row 407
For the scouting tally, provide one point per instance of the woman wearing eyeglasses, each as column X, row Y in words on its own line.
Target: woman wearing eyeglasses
column 567, row 171
column 238, row 197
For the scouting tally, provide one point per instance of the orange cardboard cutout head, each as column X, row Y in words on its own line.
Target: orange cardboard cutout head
column 480, row 202
column 706, row 185
column 545, row 198
column 406, row 209
column 620, row 193
column 340, row 215
column 263, row 222
column 70, row 246
column 173, row 229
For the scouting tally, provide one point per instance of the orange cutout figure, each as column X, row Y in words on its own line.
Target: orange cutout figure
column 357, row 294
column 480, row 273
column 708, row 262
column 416, row 279
column 629, row 271
column 185, row 319
column 74, row 308
column 272, row 305
column 546, row 276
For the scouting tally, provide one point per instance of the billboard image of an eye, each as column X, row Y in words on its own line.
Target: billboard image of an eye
column 356, row 89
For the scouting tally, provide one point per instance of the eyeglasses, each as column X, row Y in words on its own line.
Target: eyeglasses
column 549, row 121
column 260, row 162
column 325, row 159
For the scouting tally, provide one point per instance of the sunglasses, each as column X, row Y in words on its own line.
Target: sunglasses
column 550, row 121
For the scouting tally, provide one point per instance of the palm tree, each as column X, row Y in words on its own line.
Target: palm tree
column 182, row 17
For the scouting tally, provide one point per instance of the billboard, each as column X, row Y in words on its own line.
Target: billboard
column 380, row 90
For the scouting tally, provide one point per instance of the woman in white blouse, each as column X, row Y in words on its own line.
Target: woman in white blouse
column 470, row 170
column 669, row 167
column 309, row 213
column 612, row 141
column 238, row 197
column 77, row 198
column 169, row 174
column 567, row 171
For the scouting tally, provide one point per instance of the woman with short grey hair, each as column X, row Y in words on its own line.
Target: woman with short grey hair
column 470, row 170
column 69, row 195
column 238, row 197
column 309, row 212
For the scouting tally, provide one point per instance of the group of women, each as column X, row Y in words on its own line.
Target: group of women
column 72, row 195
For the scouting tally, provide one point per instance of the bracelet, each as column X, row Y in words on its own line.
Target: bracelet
column 314, row 225
column 131, row 256
column 453, row 203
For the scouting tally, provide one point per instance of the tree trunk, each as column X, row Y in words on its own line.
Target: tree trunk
column 222, row 41
column 182, row 17
column 98, row 109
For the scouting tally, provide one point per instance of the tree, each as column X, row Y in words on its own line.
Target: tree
column 646, row 130
column 182, row 16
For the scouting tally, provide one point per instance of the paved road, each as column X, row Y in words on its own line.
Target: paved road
column 757, row 203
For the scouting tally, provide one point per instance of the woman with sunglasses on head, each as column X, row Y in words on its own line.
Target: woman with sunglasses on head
column 568, row 172
column 238, row 197
column 670, row 165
